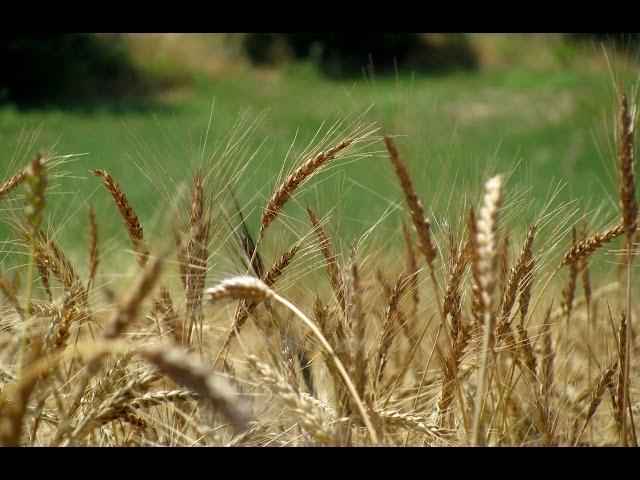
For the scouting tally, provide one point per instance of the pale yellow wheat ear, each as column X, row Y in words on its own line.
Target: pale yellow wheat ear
column 485, row 263
column 251, row 288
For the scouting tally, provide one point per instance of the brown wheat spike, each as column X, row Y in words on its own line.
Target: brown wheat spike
column 284, row 192
column 544, row 393
column 306, row 413
column 453, row 300
column 138, row 423
column 627, row 167
column 589, row 245
column 330, row 259
column 12, row 183
column 629, row 221
column 568, row 292
column 622, row 348
column 357, row 322
column 476, row 309
column 586, row 281
column 388, row 323
column 51, row 257
column 527, row 285
column 516, row 278
column 113, row 408
column 66, row 315
column 65, row 276
column 420, row 222
column 548, row 357
column 450, row 369
column 62, row 335
column 181, row 254
column 67, row 270
column 596, row 398
column 322, row 314
column 36, row 183
column 129, row 216
column 412, row 270
column 503, row 263
column 272, row 275
column 527, row 357
column 44, row 276
column 186, row 370
column 197, row 253
column 247, row 245
column 94, row 254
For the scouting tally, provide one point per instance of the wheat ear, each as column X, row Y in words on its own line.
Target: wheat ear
column 485, row 246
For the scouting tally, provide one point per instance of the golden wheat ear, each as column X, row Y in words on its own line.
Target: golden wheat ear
column 331, row 264
column 130, row 219
column 294, row 181
column 485, row 264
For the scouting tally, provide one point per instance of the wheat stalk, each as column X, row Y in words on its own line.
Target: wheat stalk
column 251, row 288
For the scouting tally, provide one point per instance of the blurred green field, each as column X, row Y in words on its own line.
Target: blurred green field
column 543, row 125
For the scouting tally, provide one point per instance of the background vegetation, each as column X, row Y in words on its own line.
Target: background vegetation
column 539, row 106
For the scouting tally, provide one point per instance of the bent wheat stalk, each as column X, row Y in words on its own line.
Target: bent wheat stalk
column 245, row 287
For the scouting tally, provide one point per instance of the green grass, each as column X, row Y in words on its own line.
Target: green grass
column 554, row 126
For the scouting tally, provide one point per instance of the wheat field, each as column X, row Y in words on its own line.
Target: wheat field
column 465, row 327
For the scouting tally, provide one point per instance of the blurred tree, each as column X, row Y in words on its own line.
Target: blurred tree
column 347, row 53
column 48, row 67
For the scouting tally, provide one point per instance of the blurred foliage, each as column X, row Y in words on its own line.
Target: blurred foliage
column 622, row 40
column 344, row 54
column 62, row 67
